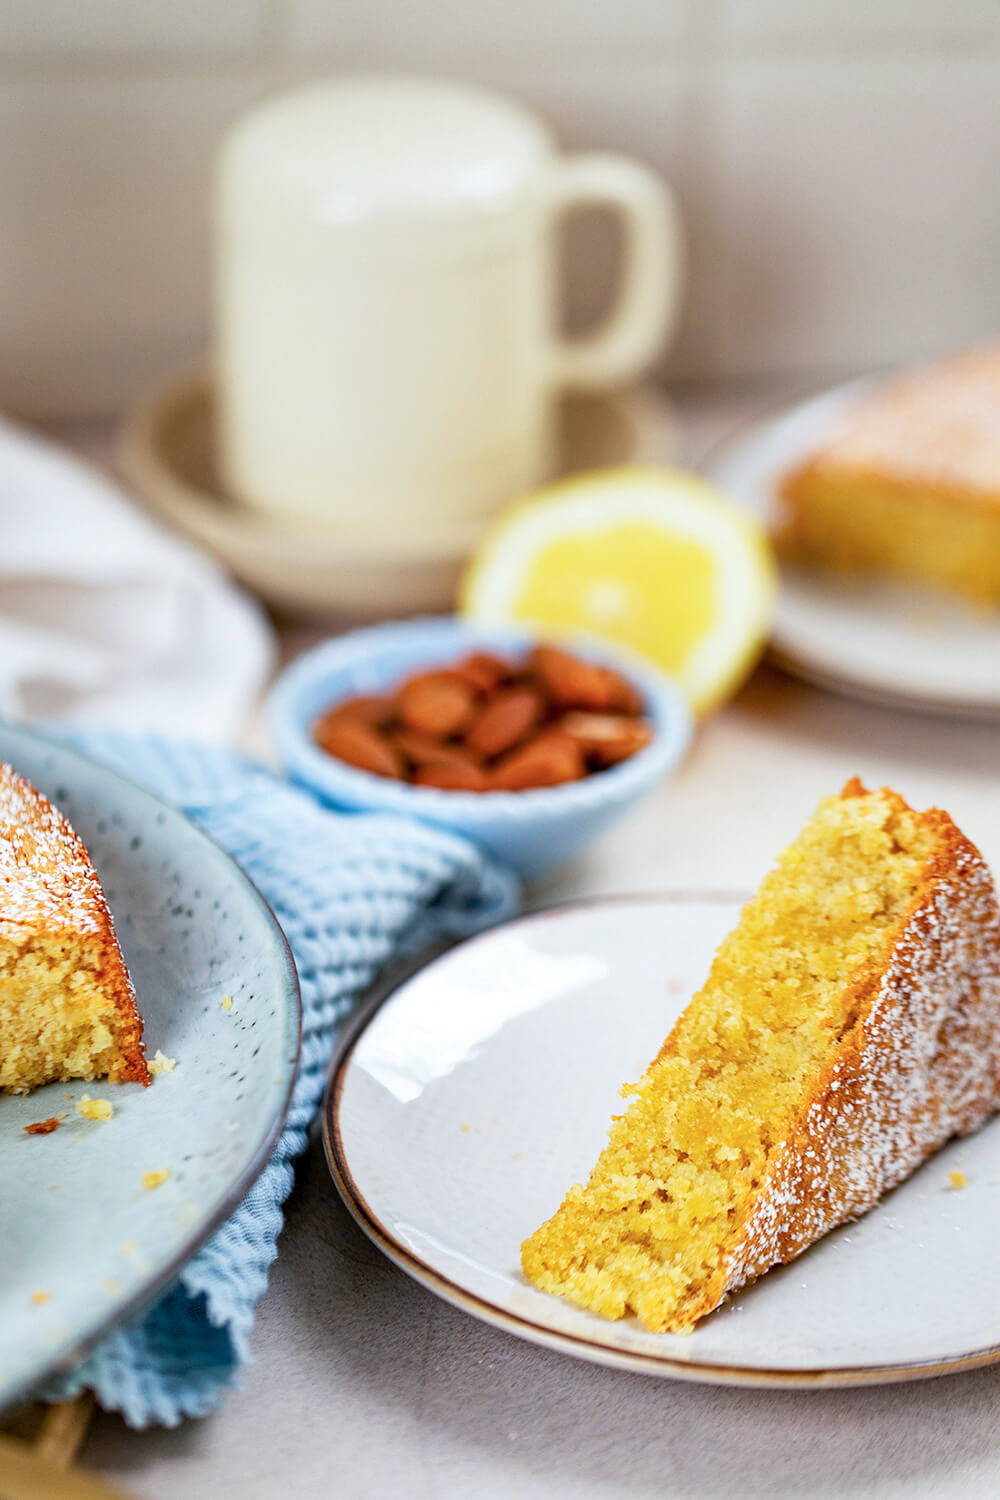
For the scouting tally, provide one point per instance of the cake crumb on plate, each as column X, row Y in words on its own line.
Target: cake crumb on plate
column 95, row 1109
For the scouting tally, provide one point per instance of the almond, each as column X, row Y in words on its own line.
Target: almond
column 362, row 746
column 549, row 759
column 606, row 739
column 452, row 776
column 483, row 671
column 573, row 683
column 366, row 709
column 625, row 696
column 436, row 703
column 507, row 718
column 428, row 749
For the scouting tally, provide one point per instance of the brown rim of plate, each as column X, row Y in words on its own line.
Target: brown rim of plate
column 593, row 1350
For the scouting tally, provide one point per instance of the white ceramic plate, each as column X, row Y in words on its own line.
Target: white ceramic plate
column 484, row 1086
column 84, row 1244
column 904, row 646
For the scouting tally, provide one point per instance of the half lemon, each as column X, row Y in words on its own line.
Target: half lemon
column 656, row 560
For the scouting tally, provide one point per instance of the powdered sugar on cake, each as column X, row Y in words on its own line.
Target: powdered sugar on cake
column 46, row 877
column 939, row 426
column 920, row 1066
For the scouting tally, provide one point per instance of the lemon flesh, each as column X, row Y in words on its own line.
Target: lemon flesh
column 656, row 560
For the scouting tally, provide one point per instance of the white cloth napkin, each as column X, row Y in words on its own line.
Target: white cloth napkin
column 105, row 618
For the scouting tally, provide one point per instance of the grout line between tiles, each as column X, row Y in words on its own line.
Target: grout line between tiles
column 706, row 42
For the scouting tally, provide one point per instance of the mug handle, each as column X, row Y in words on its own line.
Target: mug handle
column 645, row 308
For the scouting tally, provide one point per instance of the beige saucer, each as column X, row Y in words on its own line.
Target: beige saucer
column 166, row 454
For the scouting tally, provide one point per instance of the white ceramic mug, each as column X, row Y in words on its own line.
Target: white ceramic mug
column 387, row 286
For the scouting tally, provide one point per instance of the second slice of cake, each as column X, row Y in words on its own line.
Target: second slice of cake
column 67, row 1006
column 910, row 484
column 849, row 1026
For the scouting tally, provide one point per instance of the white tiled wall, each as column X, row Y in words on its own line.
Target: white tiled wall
column 858, row 208
column 458, row 32
column 859, row 23
column 96, row 30
column 838, row 162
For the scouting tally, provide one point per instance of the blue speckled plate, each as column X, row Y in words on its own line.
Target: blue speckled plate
column 83, row 1244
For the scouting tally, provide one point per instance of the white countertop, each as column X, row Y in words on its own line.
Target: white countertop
column 367, row 1386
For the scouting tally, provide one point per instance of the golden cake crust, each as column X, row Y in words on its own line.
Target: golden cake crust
column 920, row 1065
column 49, row 888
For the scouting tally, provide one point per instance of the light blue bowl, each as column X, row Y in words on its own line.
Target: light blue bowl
column 529, row 831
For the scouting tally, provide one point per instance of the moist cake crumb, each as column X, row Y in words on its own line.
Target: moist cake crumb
column 95, row 1109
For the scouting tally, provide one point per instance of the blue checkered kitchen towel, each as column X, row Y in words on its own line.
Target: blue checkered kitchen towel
column 350, row 891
